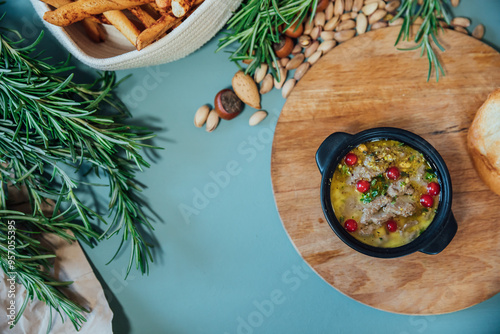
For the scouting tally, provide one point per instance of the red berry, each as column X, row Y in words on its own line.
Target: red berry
column 433, row 189
column 392, row 226
column 362, row 186
column 393, row 173
column 426, row 201
column 351, row 225
column 351, row 159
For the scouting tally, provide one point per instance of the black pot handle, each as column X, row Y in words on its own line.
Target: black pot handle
column 326, row 150
column 444, row 237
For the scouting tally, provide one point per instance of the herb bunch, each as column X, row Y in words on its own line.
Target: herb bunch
column 52, row 130
column 255, row 26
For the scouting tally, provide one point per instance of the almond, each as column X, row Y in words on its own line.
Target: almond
column 344, row 35
column 246, row 89
column 308, row 27
column 460, row 22
column 478, row 31
column 348, row 5
column 327, row 46
column 327, row 35
column 357, row 5
column 257, row 117
column 297, row 49
column 315, row 33
column 283, row 73
column 260, row 73
column 370, row 8
column 267, row 84
column 339, row 7
column 311, row 49
column 378, row 25
column 301, row 70
column 329, row 11
column 346, row 25
column 377, row 16
column 284, row 61
column 288, row 87
column 315, row 57
column 332, row 23
column 392, row 6
column 320, row 19
column 361, row 23
column 397, row 22
column 345, row 16
column 295, row 62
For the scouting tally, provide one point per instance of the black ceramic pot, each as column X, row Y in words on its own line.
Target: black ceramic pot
column 444, row 226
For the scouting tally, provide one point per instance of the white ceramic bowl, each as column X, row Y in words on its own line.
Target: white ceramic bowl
column 117, row 53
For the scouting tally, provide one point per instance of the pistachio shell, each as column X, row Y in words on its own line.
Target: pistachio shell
column 201, row 115
column 212, row 121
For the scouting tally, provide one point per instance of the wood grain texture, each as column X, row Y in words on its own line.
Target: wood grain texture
column 366, row 83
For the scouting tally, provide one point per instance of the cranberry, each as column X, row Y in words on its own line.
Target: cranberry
column 351, row 225
column 351, row 159
column 426, row 201
column 392, row 226
column 393, row 173
column 433, row 189
column 362, row 186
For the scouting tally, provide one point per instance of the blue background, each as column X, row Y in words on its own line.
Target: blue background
column 231, row 268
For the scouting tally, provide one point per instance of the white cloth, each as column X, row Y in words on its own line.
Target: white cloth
column 116, row 53
column 71, row 265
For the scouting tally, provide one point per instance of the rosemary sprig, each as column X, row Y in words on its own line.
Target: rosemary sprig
column 430, row 11
column 255, row 28
column 51, row 130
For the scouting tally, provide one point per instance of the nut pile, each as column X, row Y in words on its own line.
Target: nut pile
column 335, row 21
column 301, row 46
column 229, row 103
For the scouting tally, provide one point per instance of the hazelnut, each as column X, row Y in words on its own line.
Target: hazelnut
column 284, row 47
column 294, row 31
column 227, row 104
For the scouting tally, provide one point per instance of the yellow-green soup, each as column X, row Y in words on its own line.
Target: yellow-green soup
column 388, row 189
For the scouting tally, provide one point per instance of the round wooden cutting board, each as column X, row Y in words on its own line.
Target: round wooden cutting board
column 364, row 83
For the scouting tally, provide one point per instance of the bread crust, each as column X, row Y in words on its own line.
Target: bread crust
column 483, row 141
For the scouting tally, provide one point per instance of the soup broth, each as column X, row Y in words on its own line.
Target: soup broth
column 385, row 193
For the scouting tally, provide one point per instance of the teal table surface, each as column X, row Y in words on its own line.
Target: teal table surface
column 228, row 265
